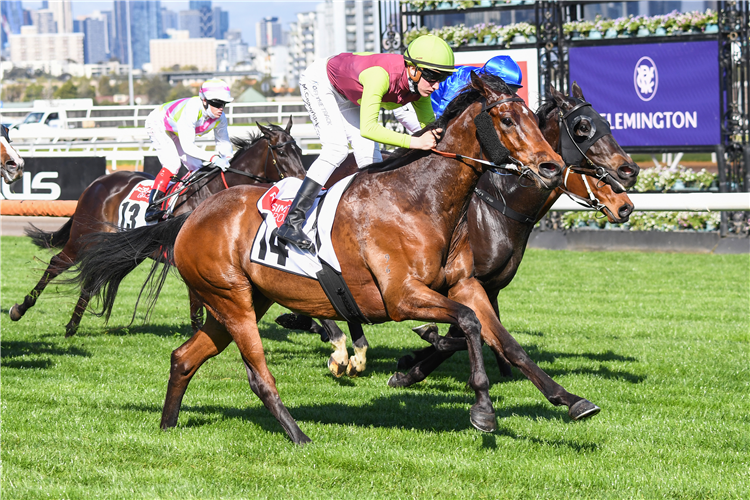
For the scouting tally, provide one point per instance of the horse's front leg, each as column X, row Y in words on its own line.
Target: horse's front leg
column 411, row 299
column 498, row 338
column 57, row 265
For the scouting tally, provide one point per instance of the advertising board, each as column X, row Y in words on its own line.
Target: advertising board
column 54, row 178
column 526, row 59
column 653, row 94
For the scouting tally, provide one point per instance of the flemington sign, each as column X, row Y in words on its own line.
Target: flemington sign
column 659, row 94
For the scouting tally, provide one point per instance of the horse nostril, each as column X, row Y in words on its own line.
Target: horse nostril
column 624, row 211
column 549, row 169
column 626, row 171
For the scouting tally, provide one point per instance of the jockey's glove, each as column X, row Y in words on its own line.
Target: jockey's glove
column 221, row 162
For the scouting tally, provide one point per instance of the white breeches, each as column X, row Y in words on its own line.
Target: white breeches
column 167, row 146
column 336, row 121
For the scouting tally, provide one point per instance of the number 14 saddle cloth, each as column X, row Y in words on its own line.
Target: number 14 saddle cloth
column 274, row 205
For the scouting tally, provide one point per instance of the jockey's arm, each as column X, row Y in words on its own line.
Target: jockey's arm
column 186, row 131
column 221, row 136
column 375, row 83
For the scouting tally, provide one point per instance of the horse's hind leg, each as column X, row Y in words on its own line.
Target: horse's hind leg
column 358, row 362
column 57, row 265
column 196, row 311
column 83, row 301
column 207, row 342
column 292, row 321
column 339, row 360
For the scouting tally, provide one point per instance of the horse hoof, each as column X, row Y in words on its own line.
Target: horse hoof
column 406, row 362
column 425, row 329
column 70, row 330
column 15, row 313
column 292, row 321
column 351, row 370
column 482, row 420
column 396, row 380
column 583, row 409
column 335, row 368
column 302, row 440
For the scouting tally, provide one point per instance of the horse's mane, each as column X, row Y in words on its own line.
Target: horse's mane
column 468, row 95
column 244, row 143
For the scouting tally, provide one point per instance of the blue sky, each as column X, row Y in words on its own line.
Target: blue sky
column 242, row 14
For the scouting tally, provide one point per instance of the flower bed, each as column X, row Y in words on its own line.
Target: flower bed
column 674, row 23
column 659, row 179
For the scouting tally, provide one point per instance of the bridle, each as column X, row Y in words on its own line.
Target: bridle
column 592, row 201
column 571, row 147
column 489, row 141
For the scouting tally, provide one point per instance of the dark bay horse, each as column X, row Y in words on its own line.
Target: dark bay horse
column 265, row 158
column 499, row 242
column 11, row 163
column 499, row 239
column 401, row 238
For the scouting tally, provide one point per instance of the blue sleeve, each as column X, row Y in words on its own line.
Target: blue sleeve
column 450, row 88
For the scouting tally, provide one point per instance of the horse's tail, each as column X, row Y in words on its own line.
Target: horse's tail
column 49, row 239
column 108, row 257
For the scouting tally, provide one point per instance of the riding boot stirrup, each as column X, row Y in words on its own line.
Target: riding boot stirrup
column 291, row 230
column 154, row 211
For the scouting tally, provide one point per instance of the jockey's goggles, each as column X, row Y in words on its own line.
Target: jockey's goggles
column 216, row 103
column 433, row 76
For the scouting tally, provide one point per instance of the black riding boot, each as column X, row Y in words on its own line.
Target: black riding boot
column 291, row 230
column 154, row 211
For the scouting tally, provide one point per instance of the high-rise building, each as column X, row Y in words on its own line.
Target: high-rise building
column 63, row 13
column 170, row 20
column 44, row 20
column 350, row 26
column 231, row 51
column 190, row 21
column 145, row 25
column 268, row 32
column 95, row 41
column 184, row 52
column 301, row 45
column 199, row 4
column 11, row 13
column 33, row 47
column 221, row 23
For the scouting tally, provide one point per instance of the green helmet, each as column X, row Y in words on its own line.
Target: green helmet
column 430, row 51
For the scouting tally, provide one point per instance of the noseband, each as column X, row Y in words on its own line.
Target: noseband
column 592, row 201
column 574, row 148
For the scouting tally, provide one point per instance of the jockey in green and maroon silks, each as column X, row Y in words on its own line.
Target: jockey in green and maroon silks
column 344, row 95
column 173, row 128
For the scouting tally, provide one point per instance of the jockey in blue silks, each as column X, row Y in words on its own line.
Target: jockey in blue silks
column 500, row 66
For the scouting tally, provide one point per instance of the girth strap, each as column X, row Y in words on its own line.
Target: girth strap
column 503, row 208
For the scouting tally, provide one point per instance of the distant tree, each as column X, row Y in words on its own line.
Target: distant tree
column 178, row 92
column 103, row 86
column 33, row 91
column 86, row 90
column 17, row 73
column 12, row 92
column 156, row 88
column 67, row 91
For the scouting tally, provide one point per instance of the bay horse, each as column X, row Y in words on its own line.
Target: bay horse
column 266, row 158
column 11, row 163
column 498, row 239
column 400, row 235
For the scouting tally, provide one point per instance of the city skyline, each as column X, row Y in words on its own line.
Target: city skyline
column 242, row 15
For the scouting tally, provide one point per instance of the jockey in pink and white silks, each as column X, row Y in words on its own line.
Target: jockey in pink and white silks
column 173, row 128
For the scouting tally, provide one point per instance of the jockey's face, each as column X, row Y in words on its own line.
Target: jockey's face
column 215, row 110
column 425, row 87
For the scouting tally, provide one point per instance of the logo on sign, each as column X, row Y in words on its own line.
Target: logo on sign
column 646, row 78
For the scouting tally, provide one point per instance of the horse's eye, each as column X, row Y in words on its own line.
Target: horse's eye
column 507, row 121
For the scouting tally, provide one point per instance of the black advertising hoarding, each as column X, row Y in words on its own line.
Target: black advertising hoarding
column 55, row 178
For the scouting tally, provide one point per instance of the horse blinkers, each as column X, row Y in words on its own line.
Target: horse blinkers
column 577, row 141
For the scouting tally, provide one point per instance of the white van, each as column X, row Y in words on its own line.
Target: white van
column 50, row 114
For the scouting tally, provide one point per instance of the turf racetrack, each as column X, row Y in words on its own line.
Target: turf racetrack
column 659, row 341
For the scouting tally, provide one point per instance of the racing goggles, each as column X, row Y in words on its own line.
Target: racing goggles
column 433, row 76
column 216, row 103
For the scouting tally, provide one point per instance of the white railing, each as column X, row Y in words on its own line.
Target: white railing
column 135, row 116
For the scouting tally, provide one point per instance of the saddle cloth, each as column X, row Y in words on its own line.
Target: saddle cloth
column 133, row 207
column 274, row 205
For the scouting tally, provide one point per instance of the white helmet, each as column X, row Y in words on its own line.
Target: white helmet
column 215, row 89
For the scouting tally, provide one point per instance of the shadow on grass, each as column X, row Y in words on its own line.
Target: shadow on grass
column 182, row 330
column 14, row 352
column 401, row 410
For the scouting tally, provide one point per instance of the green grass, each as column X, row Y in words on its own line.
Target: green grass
column 659, row 341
